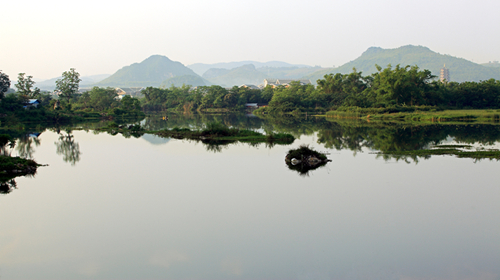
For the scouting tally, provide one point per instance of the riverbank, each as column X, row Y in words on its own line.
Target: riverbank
column 371, row 114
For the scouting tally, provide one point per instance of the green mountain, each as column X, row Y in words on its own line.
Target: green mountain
column 460, row 69
column 184, row 80
column 150, row 72
column 246, row 74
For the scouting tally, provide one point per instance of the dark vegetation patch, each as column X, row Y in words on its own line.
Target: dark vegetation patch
column 478, row 155
column 304, row 159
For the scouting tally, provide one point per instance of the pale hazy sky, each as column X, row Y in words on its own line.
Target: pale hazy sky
column 45, row 38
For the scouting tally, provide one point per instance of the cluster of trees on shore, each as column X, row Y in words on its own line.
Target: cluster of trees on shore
column 68, row 105
column 390, row 87
column 202, row 98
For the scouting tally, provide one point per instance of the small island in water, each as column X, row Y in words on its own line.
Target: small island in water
column 305, row 159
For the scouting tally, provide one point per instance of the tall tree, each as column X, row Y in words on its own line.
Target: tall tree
column 69, row 83
column 4, row 83
column 25, row 85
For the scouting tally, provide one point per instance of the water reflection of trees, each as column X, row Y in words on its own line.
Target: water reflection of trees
column 198, row 121
column 6, row 186
column 25, row 145
column 68, row 148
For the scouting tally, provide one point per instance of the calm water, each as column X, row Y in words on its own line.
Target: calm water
column 152, row 208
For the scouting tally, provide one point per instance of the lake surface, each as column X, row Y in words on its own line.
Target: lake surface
column 153, row 208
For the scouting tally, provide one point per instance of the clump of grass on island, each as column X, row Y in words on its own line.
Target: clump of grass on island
column 305, row 159
column 304, row 152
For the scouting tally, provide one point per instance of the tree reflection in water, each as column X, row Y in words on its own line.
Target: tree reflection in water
column 7, row 186
column 25, row 146
column 68, row 148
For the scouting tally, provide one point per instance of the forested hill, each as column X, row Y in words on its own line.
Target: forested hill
column 150, row 72
column 461, row 70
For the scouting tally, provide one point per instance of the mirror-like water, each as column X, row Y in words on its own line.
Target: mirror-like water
column 110, row 207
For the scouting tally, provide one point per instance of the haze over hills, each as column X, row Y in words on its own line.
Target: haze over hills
column 201, row 68
column 246, row 74
column 249, row 74
column 491, row 64
column 158, row 70
column 87, row 81
column 150, row 72
column 460, row 69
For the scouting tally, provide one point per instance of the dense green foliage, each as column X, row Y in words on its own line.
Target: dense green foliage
column 4, row 84
column 25, row 85
column 201, row 98
column 68, row 84
column 97, row 103
column 390, row 89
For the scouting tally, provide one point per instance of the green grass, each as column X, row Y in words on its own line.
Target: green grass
column 420, row 116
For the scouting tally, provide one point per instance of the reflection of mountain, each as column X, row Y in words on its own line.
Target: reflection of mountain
column 155, row 140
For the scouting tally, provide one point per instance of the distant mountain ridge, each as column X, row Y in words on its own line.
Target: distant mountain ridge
column 158, row 70
column 150, row 72
column 460, row 69
column 86, row 81
column 245, row 74
column 201, row 68
column 250, row 75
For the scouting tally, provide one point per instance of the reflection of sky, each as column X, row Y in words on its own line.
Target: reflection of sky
column 131, row 210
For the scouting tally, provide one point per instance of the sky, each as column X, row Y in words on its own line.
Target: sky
column 45, row 38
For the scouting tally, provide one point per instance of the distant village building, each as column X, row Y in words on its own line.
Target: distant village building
column 249, row 86
column 132, row 91
column 283, row 82
column 444, row 77
column 31, row 103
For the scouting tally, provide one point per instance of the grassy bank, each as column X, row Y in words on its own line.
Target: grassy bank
column 432, row 115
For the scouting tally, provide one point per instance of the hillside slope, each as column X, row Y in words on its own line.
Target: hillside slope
column 246, row 74
column 150, row 72
column 460, row 69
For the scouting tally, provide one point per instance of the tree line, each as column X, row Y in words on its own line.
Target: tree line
column 390, row 87
column 67, row 105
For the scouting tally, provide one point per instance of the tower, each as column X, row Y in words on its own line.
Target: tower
column 445, row 75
